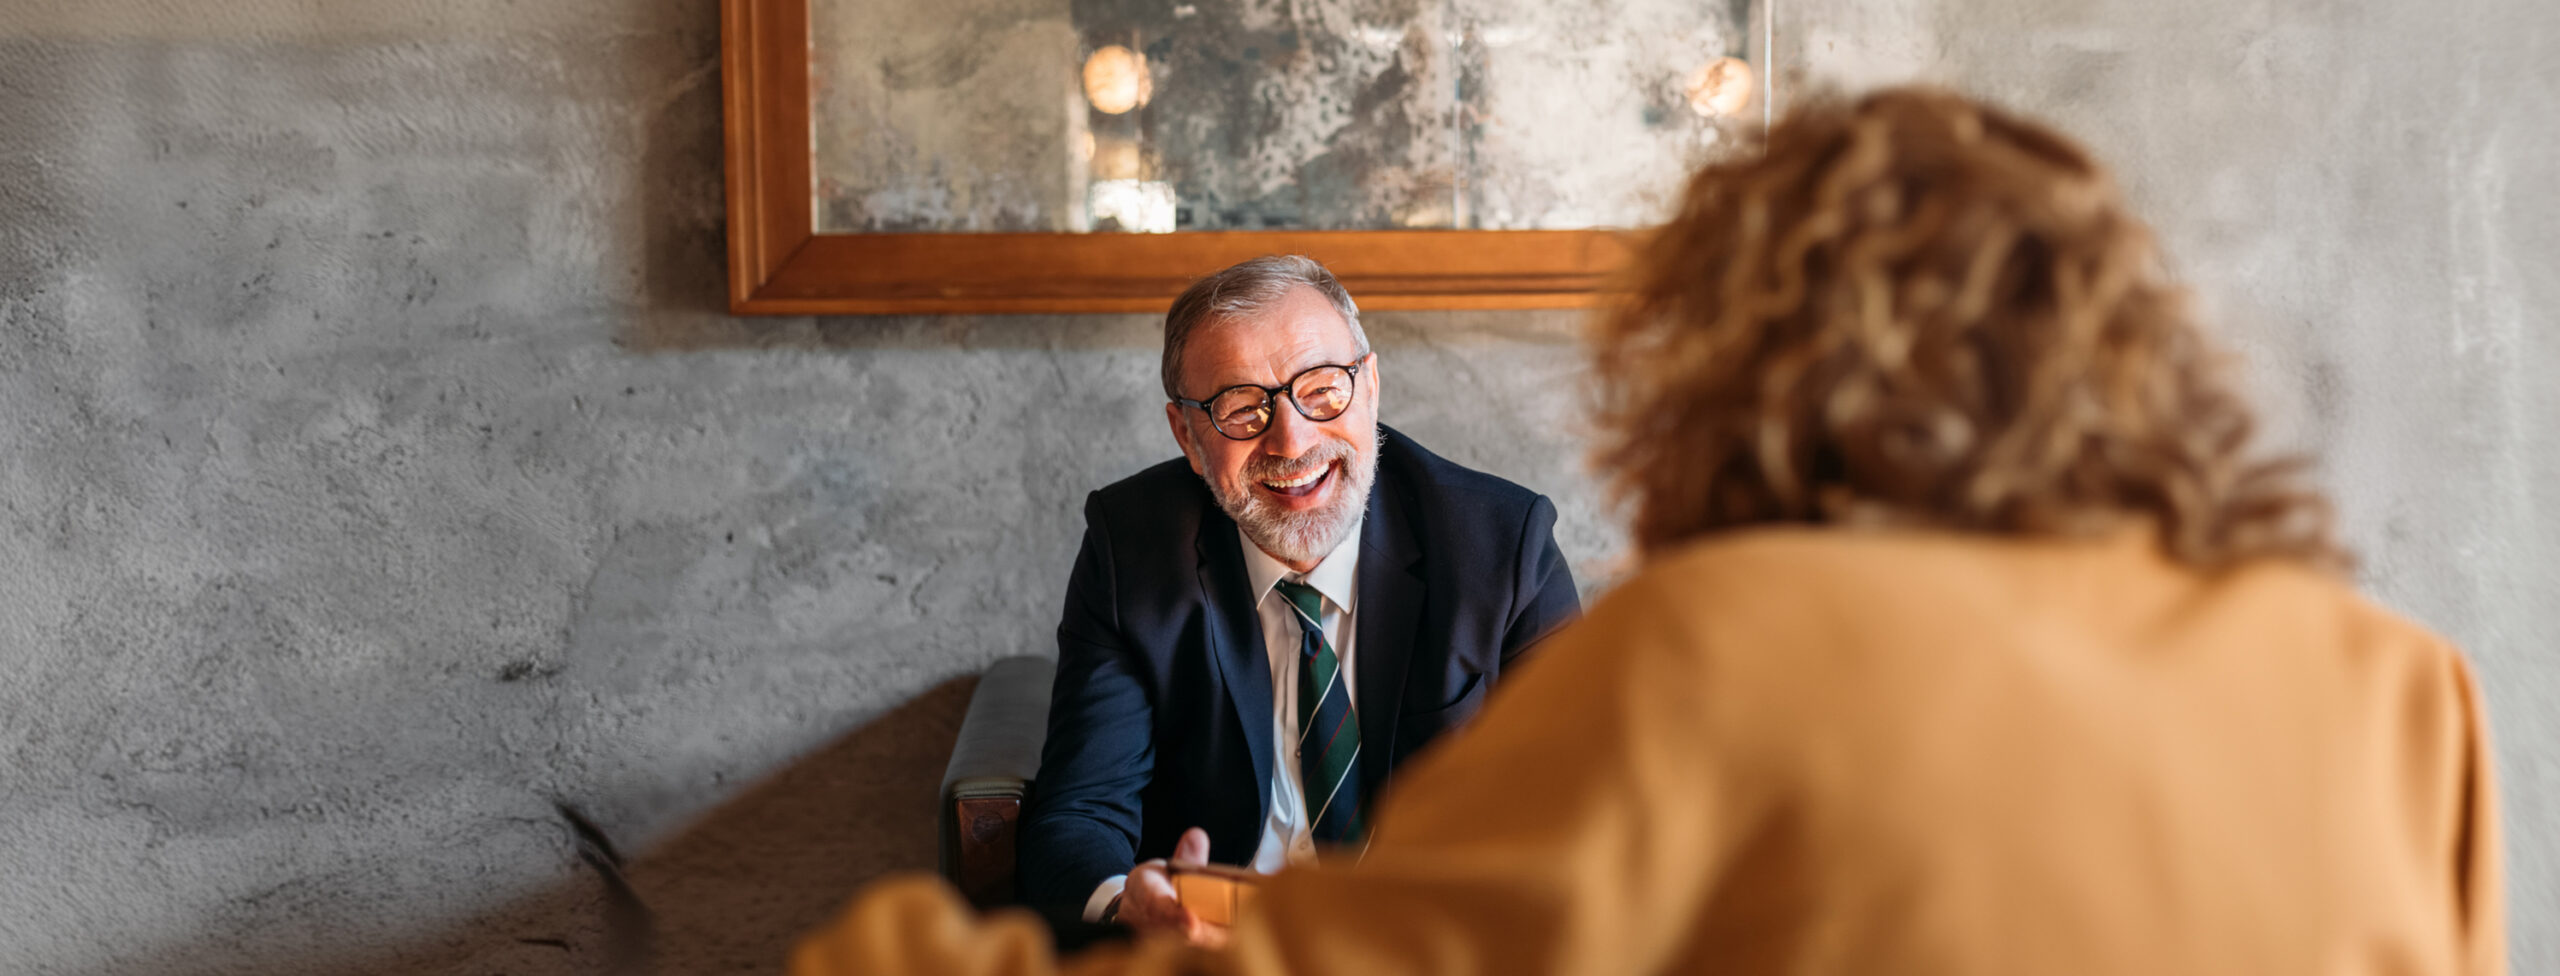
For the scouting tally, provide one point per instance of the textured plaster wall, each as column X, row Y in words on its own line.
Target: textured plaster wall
column 375, row 471
column 2365, row 195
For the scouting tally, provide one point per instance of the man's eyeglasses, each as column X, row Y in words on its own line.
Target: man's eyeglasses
column 1242, row 412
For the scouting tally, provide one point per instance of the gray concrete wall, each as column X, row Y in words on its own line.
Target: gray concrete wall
column 375, row 470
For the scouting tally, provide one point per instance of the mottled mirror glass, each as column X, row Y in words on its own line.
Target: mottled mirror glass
column 1170, row 115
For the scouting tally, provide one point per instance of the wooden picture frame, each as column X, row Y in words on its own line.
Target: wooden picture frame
column 780, row 265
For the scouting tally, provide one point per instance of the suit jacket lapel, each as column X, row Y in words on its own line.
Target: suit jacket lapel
column 1235, row 644
column 1389, row 622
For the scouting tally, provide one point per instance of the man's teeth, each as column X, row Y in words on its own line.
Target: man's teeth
column 1300, row 481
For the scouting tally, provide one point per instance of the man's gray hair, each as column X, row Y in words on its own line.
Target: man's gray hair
column 1243, row 290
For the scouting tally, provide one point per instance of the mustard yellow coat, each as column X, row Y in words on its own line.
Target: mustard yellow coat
column 1823, row 751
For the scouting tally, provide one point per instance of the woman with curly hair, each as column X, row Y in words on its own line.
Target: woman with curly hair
column 1968, row 636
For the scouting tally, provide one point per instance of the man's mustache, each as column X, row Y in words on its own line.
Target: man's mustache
column 1267, row 468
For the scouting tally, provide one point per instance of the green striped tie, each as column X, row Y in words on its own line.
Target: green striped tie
column 1328, row 730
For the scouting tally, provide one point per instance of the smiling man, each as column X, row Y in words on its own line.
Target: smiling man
column 1257, row 633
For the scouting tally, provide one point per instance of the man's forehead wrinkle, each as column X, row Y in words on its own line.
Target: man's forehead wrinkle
column 1279, row 351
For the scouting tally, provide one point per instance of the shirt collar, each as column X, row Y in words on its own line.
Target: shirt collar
column 1337, row 577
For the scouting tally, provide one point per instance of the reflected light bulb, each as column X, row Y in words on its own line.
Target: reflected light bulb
column 1115, row 80
column 1118, row 159
column 1723, row 86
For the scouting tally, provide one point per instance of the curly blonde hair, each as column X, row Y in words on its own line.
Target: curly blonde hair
column 1914, row 309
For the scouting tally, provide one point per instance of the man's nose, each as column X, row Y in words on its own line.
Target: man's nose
column 1291, row 434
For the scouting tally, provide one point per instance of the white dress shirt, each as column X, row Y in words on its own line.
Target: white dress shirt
column 1287, row 829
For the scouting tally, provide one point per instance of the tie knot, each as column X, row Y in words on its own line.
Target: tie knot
column 1309, row 603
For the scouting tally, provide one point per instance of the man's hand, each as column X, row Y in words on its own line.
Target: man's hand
column 1149, row 903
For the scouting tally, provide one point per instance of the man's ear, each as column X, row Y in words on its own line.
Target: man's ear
column 1182, row 436
column 1377, row 379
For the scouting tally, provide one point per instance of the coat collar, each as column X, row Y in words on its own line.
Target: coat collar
column 1389, row 620
column 1234, row 631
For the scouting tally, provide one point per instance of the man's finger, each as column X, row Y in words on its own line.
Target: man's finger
column 1193, row 848
column 1153, row 882
column 1150, row 900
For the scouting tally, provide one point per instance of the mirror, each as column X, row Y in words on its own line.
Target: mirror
column 1094, row 155
column 1191, row 115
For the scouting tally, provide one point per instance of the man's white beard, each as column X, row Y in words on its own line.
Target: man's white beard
column 1303, row 537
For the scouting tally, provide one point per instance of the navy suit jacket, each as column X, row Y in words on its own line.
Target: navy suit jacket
column 1161, row 716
